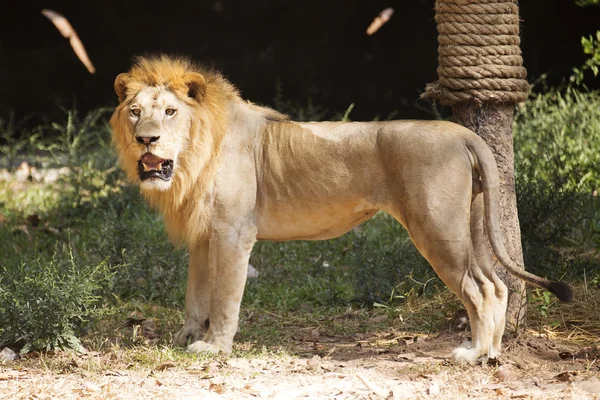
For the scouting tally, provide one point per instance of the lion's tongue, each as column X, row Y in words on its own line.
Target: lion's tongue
column 152, row 162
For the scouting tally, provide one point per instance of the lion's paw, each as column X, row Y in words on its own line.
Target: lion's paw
column 201, row 346
column 186, row 335
column 465, row 354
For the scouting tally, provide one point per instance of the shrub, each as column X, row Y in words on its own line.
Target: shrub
column 48, row 303
column 132, row 239
column 557, row 137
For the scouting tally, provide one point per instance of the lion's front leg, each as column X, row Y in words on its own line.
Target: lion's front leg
column 230, row 249
column 197, row 298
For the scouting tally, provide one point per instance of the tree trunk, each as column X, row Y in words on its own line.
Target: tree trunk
column 493, row 122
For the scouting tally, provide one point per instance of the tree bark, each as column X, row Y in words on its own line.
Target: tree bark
column 493, row 122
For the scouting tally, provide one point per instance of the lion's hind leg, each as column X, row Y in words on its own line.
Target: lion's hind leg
column 476, row 292
column 446, row 243
column 482, row 250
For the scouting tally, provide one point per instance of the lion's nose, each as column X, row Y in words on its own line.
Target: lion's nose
column 146, row 139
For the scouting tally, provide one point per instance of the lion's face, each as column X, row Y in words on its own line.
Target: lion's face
column 167, row 130
column 160, row 123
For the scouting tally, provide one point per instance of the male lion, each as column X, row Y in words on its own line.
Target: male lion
column 225, row 173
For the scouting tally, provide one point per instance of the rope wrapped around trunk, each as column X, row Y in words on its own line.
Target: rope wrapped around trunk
column 479, row 53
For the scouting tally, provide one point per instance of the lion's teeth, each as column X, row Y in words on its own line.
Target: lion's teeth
column 159, row 167
column 145, row 168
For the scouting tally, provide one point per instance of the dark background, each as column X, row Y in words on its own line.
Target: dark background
column 316, row 49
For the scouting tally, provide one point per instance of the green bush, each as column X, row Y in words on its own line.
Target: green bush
column 132, row 239
column 557, row 163
column 48, row 303
column 560, row 231
column 557, row 140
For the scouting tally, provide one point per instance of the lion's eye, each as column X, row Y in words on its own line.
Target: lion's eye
column 135, row 112
column 170, row 111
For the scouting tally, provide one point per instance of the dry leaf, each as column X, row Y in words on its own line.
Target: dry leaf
column 65, row 28
column 216, row 387
column 380, row 20
column 382, row 392
column 149, row 329
column 314, row 335
column 379, row 318
column 165, row 365
column 5, row 376
column 91, row 388
column 503, row 373
column 565, row 376
column 249, row 390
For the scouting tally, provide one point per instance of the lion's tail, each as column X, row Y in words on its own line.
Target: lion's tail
column 486, row 165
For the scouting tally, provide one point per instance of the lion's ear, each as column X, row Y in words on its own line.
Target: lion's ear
column 196, row 85
column 121, row 86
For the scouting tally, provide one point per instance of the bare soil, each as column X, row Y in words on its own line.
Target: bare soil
column 387, row 365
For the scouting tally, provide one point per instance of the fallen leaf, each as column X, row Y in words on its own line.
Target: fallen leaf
column 379, row 318
column 378, row 390
column 65, row 28
column 406, row 356
column 313, row 363
column 383, row 17
column 89, row 387
column 5, row 376
column 216, row 387
column 314, row 335
column 565, row 376
column 166, row 365
column 503, row 373
column 249, row 390
column 149, row 329
column 318, row 346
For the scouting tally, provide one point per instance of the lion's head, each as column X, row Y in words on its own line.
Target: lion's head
column 169, row 122
column 167, row 129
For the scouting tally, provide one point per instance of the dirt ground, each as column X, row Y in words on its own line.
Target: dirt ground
column 385, row 366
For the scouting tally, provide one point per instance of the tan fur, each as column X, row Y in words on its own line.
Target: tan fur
column 244, row 172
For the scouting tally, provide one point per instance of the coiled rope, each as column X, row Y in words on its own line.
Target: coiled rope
column 479, row 53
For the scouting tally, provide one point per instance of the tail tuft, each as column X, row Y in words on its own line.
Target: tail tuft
column 562, row 291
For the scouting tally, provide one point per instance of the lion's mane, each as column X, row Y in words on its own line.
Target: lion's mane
column 186, row 205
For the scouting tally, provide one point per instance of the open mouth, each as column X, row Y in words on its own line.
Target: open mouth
column 154, row 167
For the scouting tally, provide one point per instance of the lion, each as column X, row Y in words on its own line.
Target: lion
column 225, row 173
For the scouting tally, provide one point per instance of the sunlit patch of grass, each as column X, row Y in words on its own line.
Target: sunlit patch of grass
column 20, row 200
